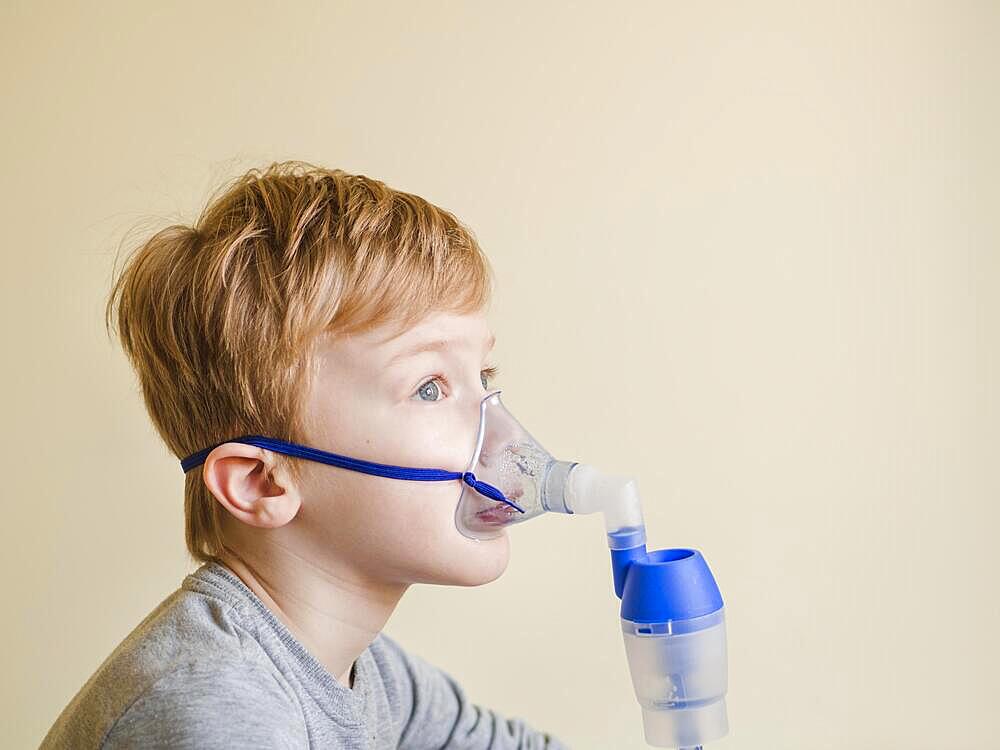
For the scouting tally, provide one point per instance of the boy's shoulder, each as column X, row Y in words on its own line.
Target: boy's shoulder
column 190, row 656
column 211, row 667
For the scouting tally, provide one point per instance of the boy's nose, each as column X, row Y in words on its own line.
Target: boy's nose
column 500, row 432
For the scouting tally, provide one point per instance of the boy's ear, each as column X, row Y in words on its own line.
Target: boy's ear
column 244, row 479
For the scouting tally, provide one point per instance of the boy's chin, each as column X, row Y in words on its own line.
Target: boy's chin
column 480, row 563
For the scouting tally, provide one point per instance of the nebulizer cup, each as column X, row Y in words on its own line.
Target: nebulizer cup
column 672, row 614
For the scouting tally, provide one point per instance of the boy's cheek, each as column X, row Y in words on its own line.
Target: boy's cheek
column 431, row 444
column 346, row 502
column 403, row 530
column 372, row 426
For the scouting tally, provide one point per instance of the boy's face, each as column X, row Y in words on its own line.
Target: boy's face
column 373, row 400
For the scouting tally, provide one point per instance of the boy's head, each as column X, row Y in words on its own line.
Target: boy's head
column 288, row 310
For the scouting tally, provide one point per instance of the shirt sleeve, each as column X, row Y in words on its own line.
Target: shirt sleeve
column 438, row 714
column 206, row 707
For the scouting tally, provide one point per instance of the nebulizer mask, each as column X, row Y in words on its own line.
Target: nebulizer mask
column 672, row 615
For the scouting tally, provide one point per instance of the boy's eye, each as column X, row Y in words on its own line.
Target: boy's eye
column 431, row 391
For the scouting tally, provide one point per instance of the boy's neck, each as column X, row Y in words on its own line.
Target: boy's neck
column 332, row 613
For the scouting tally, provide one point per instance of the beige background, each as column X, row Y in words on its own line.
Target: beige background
column 747, row 253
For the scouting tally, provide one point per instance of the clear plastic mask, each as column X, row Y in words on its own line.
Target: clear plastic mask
column 507, row 457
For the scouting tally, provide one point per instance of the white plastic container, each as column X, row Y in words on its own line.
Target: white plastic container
column 679, row 672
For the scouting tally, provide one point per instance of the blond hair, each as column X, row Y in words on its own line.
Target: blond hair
column 220, row 319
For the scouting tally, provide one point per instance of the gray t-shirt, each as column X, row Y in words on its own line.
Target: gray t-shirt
column 212, row 667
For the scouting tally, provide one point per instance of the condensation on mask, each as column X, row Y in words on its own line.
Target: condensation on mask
column 508, row 458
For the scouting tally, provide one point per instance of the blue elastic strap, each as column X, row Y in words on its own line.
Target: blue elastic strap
column 355, row 464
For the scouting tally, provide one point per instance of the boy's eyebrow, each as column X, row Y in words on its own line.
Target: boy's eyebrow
column 426, row 346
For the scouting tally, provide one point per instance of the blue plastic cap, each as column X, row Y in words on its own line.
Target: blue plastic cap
column 669, row 584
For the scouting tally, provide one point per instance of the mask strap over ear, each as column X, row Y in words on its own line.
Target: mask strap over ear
column 355, row 464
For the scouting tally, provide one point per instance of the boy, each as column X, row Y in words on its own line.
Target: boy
column 291, row 310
